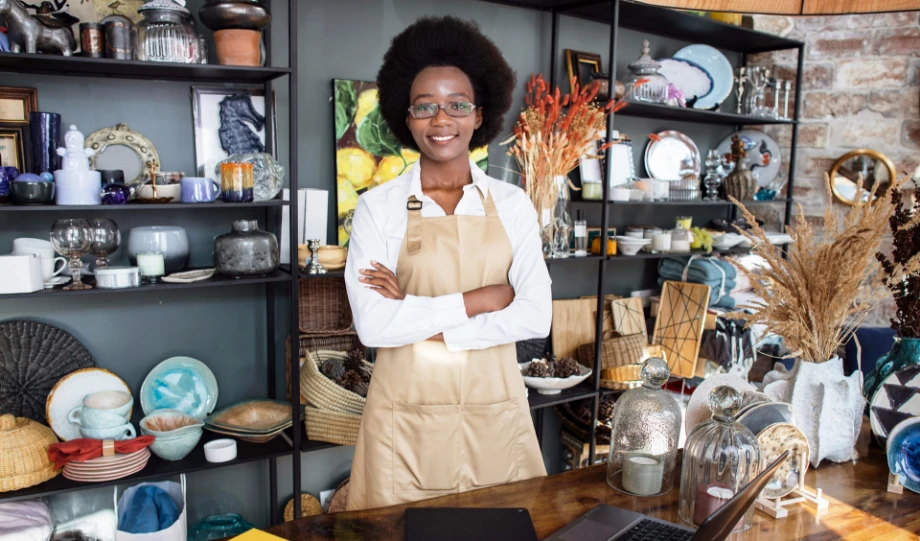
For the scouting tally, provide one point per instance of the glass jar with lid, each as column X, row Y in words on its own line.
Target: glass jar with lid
column 681, row 239
column 646, row 428
column 721, row 456
column 167, row 33
column 654, row 89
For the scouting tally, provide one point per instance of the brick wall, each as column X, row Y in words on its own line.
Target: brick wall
column 860, row 89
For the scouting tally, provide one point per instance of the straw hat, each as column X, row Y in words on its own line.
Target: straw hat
column 24, row 453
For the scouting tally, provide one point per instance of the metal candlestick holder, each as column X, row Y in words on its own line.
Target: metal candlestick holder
column 787, row 86
column 315, row 266
column 741, row 79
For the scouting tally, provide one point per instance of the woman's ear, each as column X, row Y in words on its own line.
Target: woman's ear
column 478, row 118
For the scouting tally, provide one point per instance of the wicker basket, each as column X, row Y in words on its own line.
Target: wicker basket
column 24, row 453
column 308, row 342
column 324, row 308
column 309, row 506
column 528, row 350
column 319, row 391
column 621, row 378
column 332, row 426
column 615, row 351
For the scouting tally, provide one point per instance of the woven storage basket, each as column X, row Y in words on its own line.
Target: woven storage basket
column 24, row 453
column 309, row 506
column 621, row 378
column 309, row 342
column 319, row 391
column 324, row 308
column 615, row 351
column 528, row 350
column 332, row 426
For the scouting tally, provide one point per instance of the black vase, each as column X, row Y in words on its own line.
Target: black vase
column 45, row 137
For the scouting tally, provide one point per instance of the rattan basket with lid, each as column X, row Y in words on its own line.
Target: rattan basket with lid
column 24, row 453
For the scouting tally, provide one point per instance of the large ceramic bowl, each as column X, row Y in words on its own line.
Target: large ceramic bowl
column 172, row 191
column 630, row 245
column 727, row 241
column 554, row 385
column 175, row 433
column 169, row 240
column 26, row 192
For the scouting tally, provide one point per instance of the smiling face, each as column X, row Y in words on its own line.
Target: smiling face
column 443, row 138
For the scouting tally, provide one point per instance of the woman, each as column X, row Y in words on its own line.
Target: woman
column 445, row 274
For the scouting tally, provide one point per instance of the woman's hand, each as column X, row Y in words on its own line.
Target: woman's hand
column 383, row 281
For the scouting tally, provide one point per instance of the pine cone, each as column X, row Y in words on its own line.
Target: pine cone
column 350, row 379
column 541, row 369
column 360, row 388
column 353, row 362
column 332, row 369
column 566, row 367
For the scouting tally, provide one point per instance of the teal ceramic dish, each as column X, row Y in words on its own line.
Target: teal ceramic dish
column 176, row 448
column 180, row 383
column 169, row 424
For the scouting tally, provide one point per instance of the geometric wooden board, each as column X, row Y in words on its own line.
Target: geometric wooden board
column 629, row 316
column 679, row 325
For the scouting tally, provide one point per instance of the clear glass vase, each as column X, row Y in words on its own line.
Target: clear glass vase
column 556, row 224
column 167, row 34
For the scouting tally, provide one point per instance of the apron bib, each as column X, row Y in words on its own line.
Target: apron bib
column 438, row 422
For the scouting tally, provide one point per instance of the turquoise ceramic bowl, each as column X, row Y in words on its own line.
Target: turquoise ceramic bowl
column 175, row 433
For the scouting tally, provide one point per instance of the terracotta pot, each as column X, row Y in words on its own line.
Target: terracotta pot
column 238, row 47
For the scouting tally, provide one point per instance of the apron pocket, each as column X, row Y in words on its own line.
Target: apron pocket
column 491, row 434
column 426, row 449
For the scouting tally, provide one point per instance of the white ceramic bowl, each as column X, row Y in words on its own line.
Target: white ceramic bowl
column 631, row 245
column 727, row 241
column 222, row 450
column 554, row 385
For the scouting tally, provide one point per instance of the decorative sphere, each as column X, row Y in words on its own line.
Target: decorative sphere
column 28, row 177
column 46, row 176
column 655, row 372
column 724, row 401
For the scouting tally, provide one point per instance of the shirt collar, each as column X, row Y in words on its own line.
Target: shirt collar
column 480, row 180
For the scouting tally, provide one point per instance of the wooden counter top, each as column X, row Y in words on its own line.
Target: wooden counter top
column 860, row 507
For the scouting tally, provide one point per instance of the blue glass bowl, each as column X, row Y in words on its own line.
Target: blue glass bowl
column 218, row 527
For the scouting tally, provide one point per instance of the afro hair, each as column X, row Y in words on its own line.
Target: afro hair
column 445, row 41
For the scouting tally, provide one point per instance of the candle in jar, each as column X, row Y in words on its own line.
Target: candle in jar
column 591, row 191
column 680, row 246
column 152, row 266
column 661, row 242
column 642, row 474
column 709, row 498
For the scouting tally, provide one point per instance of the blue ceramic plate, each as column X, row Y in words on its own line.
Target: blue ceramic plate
column 180, row 383
column 689, row 78
column 904, row 452
column 719, row 69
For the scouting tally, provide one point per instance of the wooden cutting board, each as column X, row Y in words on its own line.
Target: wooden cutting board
column 573, row 325
column 679, row 325
column 629, row 316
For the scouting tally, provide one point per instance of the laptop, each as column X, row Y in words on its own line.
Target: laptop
column 469, row 524
column 608, row 523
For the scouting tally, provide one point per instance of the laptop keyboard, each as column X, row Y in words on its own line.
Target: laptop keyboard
column 649, row 530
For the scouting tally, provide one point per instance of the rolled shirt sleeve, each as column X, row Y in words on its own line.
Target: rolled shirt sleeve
column 383, row 322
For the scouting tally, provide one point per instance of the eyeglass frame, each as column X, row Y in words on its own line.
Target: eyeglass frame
column 441, row 107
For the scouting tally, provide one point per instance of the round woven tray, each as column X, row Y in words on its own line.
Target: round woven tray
column 339, row 501
column 309, row 506
column 33, row 357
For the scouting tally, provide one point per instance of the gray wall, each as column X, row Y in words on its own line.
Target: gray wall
column 226, row 328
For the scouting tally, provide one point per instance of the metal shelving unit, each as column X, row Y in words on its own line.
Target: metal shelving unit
column 274, row 283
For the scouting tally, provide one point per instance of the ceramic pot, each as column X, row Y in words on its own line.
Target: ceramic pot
column 45, row 136
column 24, row 192
column 904, row 352
column 246, row 14
column 78, row 187
column 246, row 251
column 740, row 183
column 171, row 241
column 238, row 47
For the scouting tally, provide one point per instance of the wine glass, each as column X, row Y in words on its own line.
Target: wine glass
column 73, row 238
column 106, row 238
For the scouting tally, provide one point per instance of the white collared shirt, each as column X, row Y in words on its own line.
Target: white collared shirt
column 378, row 229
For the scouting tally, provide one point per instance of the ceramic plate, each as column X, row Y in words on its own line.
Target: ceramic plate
column 110, row 462
column 774, row 441
column 716, row 66
column 663, row 157
column 252, row 438
column 760, row 416
column 257, row 416
column 688, row 77
column 188, row 277
column 180, row 383
column 698, row 407
column 897, row 399
column 903, row 456
column 553, row 385
column 764, row 156
column 68, row 393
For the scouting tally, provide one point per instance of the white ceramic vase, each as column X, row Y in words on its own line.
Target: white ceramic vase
column 827, row 406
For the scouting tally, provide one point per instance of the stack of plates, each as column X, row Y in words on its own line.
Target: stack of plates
column 256, row 421
column 107, row 468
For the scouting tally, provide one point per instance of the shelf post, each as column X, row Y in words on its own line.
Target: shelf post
column 795, row 134
column 292, row 237
column 553, row 48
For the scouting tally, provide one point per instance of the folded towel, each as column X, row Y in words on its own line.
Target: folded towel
column 150, row 510
column 701, row 270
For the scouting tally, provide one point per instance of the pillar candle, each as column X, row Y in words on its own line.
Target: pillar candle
column 661, row 242
column 152, row 266
column 709, row 498
column 642, row 474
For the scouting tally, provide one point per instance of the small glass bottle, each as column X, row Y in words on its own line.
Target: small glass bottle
column 581, row 234
column 721, row 456
column 646, row 428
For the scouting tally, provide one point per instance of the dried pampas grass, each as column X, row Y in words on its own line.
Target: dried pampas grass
column 817, row 296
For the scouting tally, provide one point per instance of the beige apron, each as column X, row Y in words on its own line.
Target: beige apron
column 438, row 422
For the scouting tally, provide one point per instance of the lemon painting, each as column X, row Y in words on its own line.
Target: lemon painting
column 366, row 152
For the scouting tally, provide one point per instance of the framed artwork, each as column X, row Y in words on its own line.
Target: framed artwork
column 16, row 103
column 581, row 65
column 13, row 139
column 367, row 153
column 226, row 121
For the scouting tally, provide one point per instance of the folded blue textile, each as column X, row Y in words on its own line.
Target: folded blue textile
column 150, row 510
column 702, row 270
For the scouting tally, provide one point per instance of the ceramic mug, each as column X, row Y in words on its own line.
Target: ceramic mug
column 117, row 433
column 48, row 264
column 93, row 418
column 199, row 190
column 39, row 247
column 114, row 402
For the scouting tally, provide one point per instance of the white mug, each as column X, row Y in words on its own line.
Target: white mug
column 48, row 264
column 39, row 247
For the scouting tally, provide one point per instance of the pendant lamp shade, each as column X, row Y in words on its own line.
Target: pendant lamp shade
column 792, row 7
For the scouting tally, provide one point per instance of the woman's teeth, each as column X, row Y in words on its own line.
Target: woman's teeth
column 443, row 138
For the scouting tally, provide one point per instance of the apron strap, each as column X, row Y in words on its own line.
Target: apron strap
column 488, row 204
column 414, row 227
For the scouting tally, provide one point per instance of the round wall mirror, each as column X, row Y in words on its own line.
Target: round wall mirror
column 871, row 165
column 118, row 147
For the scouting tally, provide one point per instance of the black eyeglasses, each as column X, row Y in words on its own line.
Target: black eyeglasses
column 456, row 109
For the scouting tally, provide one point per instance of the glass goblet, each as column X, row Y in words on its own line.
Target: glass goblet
column 106, row 239
column 73, row 238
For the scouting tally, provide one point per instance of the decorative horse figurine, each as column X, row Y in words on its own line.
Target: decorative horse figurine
column 31, row 34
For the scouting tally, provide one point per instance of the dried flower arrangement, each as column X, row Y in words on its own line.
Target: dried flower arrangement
column 902, row 269
column 817, row 296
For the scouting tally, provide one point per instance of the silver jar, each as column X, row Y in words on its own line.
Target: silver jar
column 246, row 251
